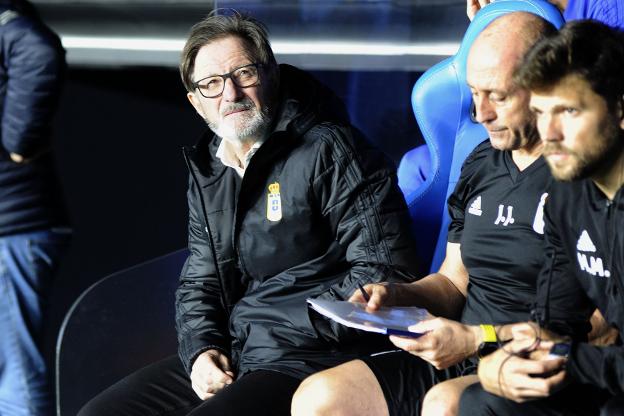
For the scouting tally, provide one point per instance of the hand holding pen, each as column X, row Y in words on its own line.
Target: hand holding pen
column 374, row 295
column 363, row 292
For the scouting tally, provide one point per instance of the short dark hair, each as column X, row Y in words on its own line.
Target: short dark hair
column 218, row 26
column 587, row 48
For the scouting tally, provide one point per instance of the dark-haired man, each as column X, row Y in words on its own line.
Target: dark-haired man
column 578, row 97
column 286, row 201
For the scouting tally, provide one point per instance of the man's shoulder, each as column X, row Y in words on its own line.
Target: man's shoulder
column 563, row 190
column 338, row 143
column 330, row 134
column 568, row 199
column 32, row 34
column 482, row 155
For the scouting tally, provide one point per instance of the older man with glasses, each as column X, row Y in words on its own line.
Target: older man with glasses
column 286, row 201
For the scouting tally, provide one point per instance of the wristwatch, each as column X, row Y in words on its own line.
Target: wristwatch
column 490, row 341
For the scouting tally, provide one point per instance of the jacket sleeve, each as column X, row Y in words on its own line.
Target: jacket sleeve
column 558, row 289
column 597, row 365
column 201, row 320
column 35, row 64
column 356, row 190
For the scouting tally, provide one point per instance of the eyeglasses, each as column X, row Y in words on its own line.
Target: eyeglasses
column 213, row 86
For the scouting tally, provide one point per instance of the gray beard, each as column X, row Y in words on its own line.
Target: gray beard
column 253, row 129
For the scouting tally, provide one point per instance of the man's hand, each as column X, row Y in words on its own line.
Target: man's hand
column 473, row 6
column 210, row 373
column 381, row 294
column 444, row 342
column 521, row 379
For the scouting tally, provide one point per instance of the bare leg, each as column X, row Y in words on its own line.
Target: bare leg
column 348, row 389
column 443, row 399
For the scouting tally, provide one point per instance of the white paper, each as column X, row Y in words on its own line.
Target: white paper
column 385, row 320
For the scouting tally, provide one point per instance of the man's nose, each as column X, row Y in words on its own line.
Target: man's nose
column 231, row 91
column 484, row 110
column 549, row 128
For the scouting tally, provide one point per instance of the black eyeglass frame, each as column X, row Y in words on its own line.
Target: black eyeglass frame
column 227, row 76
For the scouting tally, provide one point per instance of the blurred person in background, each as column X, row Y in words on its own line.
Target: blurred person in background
column 33, row 223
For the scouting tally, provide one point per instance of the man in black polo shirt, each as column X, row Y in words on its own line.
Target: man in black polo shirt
column 578, row 96
column 493, row 253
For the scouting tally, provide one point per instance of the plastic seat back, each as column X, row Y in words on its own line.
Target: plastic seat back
column 118, row 325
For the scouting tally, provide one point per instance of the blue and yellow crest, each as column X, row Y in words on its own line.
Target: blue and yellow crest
column 274, row 203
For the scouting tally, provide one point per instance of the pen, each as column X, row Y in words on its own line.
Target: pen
column 366, row 297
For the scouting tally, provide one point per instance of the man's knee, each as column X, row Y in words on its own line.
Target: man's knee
column 346, row 390
column 438, row 402
column 317, row 395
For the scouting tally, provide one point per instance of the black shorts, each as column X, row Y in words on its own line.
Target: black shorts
column 405, row 378
column 574, row 400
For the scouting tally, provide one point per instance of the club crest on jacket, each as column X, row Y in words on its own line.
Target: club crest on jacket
column 274, row 203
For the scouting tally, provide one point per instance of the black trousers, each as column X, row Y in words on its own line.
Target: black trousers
column 576, row 399
column 164, row 389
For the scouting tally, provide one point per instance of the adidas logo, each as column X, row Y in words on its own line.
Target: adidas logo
column 585, row 244
column 475, row 207
column 592, row 265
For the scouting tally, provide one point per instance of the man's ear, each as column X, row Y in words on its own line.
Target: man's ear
column 195, row 103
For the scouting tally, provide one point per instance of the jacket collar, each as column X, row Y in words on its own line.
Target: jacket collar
column 598, row 199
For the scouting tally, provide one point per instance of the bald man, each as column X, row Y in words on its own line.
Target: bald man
column 493, row 254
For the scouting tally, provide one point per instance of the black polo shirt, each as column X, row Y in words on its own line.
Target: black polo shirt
column 497, row 217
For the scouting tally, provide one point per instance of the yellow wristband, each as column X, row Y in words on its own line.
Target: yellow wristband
column 489, row 333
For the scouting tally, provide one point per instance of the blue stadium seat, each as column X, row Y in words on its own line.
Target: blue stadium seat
column 441, row 101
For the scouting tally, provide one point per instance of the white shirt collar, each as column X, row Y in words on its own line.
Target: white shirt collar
column 225, row 152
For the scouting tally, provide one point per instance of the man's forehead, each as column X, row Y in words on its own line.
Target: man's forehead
column 491, row 67
column 489, row 75
column 222, row 55
column 571, row 89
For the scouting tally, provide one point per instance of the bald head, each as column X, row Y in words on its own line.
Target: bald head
column 509, row 37
column 502, row 108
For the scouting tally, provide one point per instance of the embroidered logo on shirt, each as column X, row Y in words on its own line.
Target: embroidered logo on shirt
column 502, row 219
column 274, row 203
column 585, row 244
column 475, row 207
column 594, row 265
column 538, row 221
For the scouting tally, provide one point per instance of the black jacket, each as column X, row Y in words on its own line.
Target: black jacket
column 32, row 65
column 585, row 246
column 343, row 221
